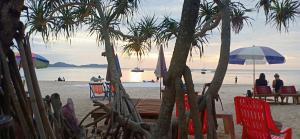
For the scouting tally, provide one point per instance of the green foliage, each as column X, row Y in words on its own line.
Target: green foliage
column 141, row 41
column 284, row 12
column 280, row 12
column 38, row 18
column 64, row 17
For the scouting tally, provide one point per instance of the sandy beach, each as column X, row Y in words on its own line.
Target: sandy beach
column 289, row 115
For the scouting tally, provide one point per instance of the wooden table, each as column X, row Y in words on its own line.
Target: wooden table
column 148, row 108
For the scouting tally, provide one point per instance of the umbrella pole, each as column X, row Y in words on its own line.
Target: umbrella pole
column 159, row 88
column 253, row 74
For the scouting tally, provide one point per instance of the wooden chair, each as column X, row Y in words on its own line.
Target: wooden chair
column 255, row 117
column 96, row 89
column 289, row 91
column 264, row 91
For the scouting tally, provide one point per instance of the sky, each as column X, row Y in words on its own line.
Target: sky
column 83, row 48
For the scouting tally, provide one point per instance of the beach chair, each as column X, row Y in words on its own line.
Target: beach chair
column 255, row 117
column 289, row 91
column 190, row 121
column 264, row 91
column 227, row 121
column 96, row 89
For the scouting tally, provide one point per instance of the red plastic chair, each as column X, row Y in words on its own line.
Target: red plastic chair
column 190, row 121
column 265, row 91
column 255, row 117
column 288, row 90
column 262, row 90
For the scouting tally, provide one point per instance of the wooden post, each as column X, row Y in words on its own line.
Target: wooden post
column 17, row 81
column 34, row 104
column 37, row 92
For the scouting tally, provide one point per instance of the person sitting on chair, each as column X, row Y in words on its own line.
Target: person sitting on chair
column 277, row 83
column 261, row 81
column 59, row 79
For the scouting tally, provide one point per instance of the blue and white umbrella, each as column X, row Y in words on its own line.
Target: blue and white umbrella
column 255, row 55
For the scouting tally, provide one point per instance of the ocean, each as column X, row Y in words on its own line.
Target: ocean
column 245, row 76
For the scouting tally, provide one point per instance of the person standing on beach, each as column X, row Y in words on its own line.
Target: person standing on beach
column 277, row 83
column 235, row 80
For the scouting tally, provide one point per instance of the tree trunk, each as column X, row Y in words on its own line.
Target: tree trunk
column 121, row 103
column 221, row 68
column 181, row 109
column 9, row 19
column 177, row 65
column 194, row 113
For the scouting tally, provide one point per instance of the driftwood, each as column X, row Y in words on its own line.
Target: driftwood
column 120, row 125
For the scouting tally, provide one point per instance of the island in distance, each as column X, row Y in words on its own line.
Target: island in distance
column 62, row 64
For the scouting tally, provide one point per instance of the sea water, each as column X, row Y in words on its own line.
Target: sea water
column 244, row 76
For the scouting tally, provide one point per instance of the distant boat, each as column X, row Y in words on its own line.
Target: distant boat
column 137, row 69
column 203, row 71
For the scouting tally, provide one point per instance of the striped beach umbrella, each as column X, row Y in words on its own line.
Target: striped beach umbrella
column 38, row 60
column 255, row 55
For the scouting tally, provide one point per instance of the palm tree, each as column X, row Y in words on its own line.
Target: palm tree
column 140, row 41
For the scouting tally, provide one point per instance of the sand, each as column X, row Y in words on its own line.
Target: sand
column 289, row 115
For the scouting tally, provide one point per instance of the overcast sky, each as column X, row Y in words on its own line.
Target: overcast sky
column 83, row 48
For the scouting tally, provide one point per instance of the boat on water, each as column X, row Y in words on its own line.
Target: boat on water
column 137, row 69
column 203, row 71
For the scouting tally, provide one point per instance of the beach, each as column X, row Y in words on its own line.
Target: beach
column 288, row 115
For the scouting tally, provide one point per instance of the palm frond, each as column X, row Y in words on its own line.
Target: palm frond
column 238, row 19
column 167, row 30
column 38, row 21
column 283, row 13
column 265, row 4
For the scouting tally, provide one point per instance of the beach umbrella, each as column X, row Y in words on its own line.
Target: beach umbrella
column 161, row 69
column 255, row 55
column 38, row 60
column 108, row 76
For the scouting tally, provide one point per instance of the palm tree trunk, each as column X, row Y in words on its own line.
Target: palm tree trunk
column 14, row 97
column 122, row 103
column 37, row 91
column 221, row 69
column 181, row 109
column 33, row 101
column 177, row 66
